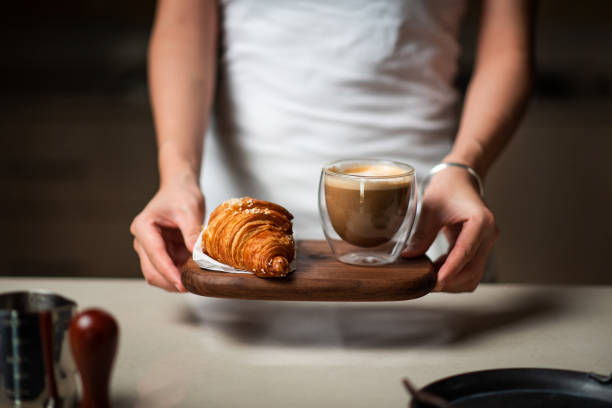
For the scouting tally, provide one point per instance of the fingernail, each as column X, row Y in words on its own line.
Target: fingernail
column 179, row 287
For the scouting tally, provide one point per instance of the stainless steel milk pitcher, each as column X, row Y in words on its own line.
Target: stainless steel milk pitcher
column 36, row 364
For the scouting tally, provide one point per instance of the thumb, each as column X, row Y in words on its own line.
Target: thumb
column 190, row 226
column 426, row 230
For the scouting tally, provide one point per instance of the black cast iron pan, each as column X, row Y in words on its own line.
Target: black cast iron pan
column 518, row 387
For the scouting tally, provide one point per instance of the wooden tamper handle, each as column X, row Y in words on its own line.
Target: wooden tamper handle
column 93, row 338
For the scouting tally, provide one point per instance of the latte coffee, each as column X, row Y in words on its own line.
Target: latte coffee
column 367, row 203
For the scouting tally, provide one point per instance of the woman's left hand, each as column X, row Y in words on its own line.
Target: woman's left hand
column 453, row 205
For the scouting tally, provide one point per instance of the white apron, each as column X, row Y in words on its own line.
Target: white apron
column 304, row 83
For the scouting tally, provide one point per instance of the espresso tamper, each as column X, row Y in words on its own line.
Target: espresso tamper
column 93, row 339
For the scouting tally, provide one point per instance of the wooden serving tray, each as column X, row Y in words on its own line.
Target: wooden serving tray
column 318, row 277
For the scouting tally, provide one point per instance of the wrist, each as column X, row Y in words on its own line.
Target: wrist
column 472, row 157
column 178, row 165
column 467, row 171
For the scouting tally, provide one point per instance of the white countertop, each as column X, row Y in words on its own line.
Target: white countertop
column 189, row 351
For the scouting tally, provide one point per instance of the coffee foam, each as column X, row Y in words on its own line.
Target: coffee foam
column 379, row 170
column 369, row 171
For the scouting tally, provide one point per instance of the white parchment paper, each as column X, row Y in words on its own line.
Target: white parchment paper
column 206, row 262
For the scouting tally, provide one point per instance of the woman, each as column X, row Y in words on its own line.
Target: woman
column 299, row 84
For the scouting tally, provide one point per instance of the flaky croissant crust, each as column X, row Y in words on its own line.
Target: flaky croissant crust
column 250, row 234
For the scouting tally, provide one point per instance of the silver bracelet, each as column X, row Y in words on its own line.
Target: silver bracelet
column 441, row 166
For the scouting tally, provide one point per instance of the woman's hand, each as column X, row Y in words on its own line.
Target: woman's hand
column 166, row 231
column 452, row 204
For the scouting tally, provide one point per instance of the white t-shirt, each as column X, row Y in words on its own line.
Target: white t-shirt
column 304, row 83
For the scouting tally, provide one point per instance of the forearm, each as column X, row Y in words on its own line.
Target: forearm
column 182, row 60
column 500, row 87
column 494, row 105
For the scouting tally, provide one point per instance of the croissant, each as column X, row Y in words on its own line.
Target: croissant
column 251, row 234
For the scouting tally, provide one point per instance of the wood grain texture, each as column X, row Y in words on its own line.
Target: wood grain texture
column 318, row 277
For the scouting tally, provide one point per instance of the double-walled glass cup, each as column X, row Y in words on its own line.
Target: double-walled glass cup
column 367, row 209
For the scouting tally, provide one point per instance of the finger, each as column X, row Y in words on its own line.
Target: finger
column 469, row 277
column 175, row 246
column 451, row 232
column 424, row 234
column 151, row 275
column 437, row 264
column 190, row 223
column 190, row 229
column 149, row 237
column 467, row 244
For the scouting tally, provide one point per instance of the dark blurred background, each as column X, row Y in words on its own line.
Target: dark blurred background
column 77, row 148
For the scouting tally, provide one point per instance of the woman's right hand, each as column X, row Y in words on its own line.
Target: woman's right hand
column 182, row 62
column 165, row 233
